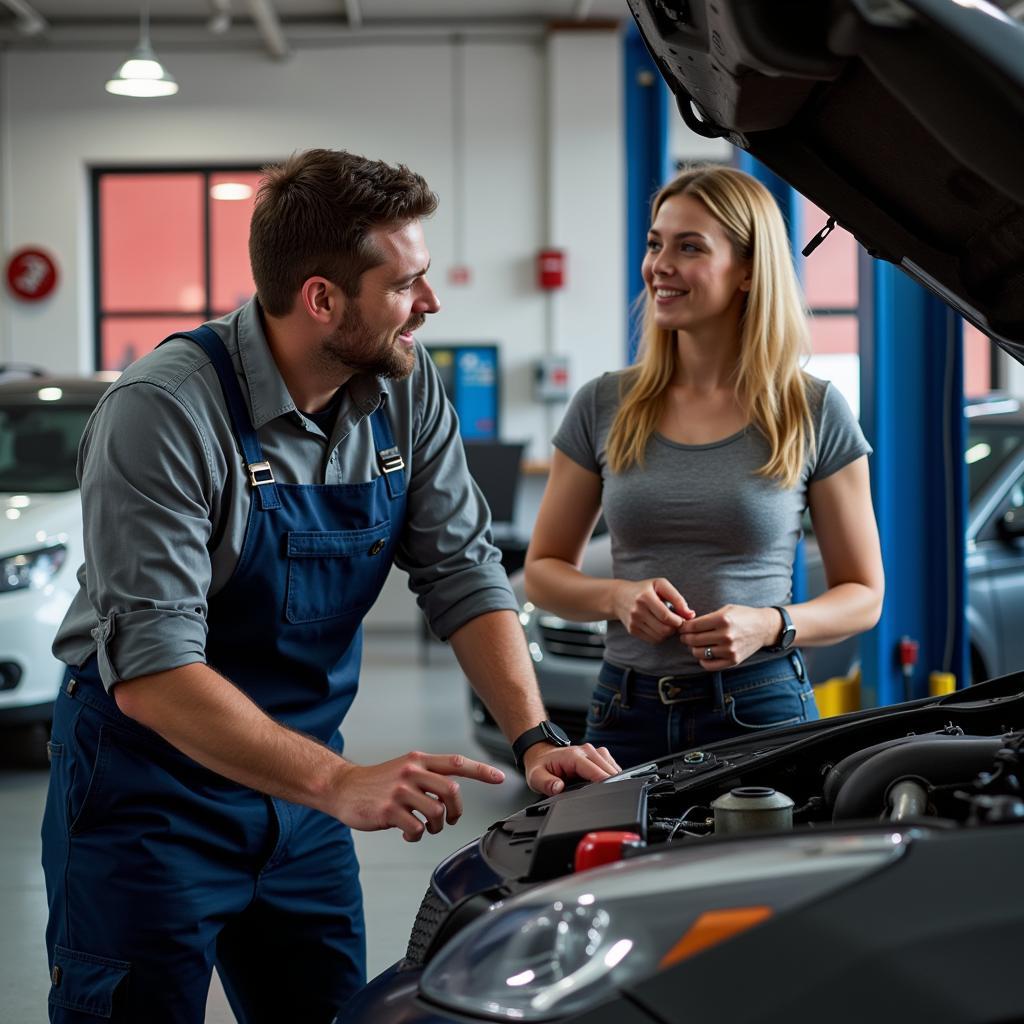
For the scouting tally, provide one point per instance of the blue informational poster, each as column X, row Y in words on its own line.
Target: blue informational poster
column 470, row 376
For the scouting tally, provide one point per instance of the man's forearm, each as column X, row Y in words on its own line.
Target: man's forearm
column 206, row 717
column 492, row 652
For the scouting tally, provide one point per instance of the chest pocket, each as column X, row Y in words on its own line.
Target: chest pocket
column 336, row 572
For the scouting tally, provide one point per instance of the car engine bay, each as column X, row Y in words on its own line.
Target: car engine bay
column 945, row 764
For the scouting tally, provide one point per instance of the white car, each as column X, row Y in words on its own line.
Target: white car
column 41, row 423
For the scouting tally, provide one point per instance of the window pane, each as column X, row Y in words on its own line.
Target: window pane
column 125, row 338
column 834, row 334
column 830, row 272
column 151, row 242
column 836, row 355
column 230, row 279
column 977, row 362
column 989, row 448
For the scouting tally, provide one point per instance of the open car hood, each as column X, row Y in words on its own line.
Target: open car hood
column 900, row 118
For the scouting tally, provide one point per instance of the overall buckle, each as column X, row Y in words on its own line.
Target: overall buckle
column 391, row 460
column 260, row 474
column 668, row 693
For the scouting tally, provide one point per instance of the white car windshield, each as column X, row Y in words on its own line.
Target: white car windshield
column 39, row 446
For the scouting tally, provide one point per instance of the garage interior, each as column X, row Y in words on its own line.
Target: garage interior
column 544, row 127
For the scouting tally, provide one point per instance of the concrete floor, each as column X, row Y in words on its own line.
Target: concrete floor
column 403, row 705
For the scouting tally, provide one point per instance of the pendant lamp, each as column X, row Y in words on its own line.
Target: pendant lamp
column 142, row 74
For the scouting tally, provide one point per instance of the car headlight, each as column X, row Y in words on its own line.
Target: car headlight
column 32, row 568
column 569, row 944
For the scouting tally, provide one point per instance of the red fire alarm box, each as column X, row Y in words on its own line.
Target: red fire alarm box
column 551, row 268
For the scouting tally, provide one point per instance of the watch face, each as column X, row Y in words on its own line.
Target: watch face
column 556, row 734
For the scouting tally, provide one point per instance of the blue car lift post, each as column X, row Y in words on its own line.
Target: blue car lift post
column 648, row 106
column 911, row 360
column 789, row 204
column 911, row 371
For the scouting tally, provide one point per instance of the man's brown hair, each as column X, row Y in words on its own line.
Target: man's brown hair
column 312, row 217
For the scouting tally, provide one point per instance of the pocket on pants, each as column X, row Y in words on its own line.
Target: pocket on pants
column 603, row 710
column 770, row 706
column 84, row 982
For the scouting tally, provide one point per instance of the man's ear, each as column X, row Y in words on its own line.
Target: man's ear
column 320, row 299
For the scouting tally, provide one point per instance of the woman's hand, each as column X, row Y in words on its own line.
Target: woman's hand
column 642, row 607
column 730, row 635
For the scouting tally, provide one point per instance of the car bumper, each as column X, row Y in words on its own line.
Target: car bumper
column 29, row 674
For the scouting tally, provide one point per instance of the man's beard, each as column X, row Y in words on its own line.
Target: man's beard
column 354, row 346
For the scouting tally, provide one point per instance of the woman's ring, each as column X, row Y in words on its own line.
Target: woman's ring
column 707, row 653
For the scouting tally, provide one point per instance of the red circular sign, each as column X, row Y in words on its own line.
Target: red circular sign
column 31, row 274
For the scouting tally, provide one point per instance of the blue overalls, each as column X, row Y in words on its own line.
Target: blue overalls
column 157, row 868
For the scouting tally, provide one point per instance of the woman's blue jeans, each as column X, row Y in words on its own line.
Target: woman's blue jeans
column 640, row 717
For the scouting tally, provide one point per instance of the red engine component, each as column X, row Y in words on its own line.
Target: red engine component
column 597, row 848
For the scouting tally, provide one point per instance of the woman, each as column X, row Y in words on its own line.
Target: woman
column 702, row 457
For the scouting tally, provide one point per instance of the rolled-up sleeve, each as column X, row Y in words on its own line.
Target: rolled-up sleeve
column 146, row 477
column 446, row 548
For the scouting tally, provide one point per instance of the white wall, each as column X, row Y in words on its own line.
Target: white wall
column 543, row 165
column 387, row 100
column 586, row 202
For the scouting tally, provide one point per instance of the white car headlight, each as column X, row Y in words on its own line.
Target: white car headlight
column 32, row 568
column 569, row 944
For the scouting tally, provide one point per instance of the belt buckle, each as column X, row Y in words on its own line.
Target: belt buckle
column 667, row 693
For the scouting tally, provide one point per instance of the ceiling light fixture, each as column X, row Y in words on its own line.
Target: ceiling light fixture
column 142, row 74
column 234, row 190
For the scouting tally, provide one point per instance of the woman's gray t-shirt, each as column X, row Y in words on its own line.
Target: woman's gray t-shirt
column 700, row 515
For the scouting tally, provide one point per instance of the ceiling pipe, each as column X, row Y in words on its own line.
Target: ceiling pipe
column 354, row 13
column 220, row 17
column 244, row 35
column 30, row 21
column 269, row 25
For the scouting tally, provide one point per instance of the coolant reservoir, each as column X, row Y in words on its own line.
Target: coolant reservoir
column 752, row 809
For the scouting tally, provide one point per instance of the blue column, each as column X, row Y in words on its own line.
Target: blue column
column 912, row 413
column 648, row 167
column 792, row 213
column 786, row 196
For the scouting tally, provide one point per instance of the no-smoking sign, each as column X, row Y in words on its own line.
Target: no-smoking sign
column 31, row 274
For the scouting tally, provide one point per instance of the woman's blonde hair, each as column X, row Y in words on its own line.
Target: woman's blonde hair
column 774, row 336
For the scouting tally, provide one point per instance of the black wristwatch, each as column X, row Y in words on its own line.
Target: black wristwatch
column 546, row 732
column 788, row 635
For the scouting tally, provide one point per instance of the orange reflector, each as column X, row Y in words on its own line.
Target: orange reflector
column 712, row 927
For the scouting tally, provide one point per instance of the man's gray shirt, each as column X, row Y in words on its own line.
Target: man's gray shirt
column 166, row 497
column 700, row 515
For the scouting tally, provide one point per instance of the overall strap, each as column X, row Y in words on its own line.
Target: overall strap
column 389, row 458
column 261, row 477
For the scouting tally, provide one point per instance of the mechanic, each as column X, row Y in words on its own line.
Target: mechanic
column 703, row 457
column 246, row 488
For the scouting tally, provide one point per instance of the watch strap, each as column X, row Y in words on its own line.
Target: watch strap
column 788, row 633
column 545, row 732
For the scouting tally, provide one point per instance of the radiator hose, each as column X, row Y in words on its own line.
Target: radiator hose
column 858, row 786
